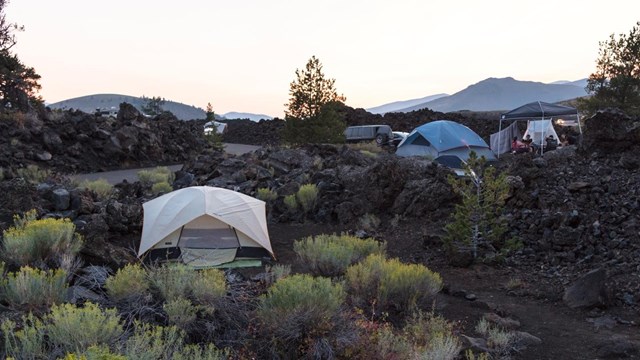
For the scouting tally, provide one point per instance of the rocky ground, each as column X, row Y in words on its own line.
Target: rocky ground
column 575, row 283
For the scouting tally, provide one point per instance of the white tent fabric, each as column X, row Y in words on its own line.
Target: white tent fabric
column 540, row 130
column 501, row 141
column 220, row 127
column 167, row 214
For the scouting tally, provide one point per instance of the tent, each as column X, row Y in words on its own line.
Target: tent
column 444, row 138
column 219, row 127
column 205, row 226
column 533, row 111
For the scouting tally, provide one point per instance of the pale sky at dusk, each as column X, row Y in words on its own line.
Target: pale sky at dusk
column 242, row 55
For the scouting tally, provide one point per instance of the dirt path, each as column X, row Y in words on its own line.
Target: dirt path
column 131, row 175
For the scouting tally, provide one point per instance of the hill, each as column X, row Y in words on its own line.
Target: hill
column 399, row 105
column 502, row 94
column 240, row 115
column 90, row 103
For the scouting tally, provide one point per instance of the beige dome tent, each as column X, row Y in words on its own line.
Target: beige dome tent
column 205, row 226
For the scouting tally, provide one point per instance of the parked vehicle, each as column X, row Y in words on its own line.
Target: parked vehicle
column 380, row 133
column 112, row 112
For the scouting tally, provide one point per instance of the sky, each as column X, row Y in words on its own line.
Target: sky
column 242, row 55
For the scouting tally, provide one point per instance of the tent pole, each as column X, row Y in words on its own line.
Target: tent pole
column 579, row 128
column 499, row 137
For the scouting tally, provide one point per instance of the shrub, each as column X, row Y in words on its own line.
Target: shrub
column 173, row 280
column 162, row 187
column 441, row 347
column 180, row 312
column 27, row 342
column 32, row 241
column 266, row 194
column 75, row 329
column 307, row 195
column 209, row 286
column 195, row 352
column 369, row 222
column 33, row 174
column 1, row 173
column 499, row 341
column 95, row 353
column 33, row 289
column 299, row 312
column 150, row 342
column 157, row 175
column 330, row 255
column 100, row 187
column 291, row 202
column 276, row 272
column 388, row 283
column 129, row 282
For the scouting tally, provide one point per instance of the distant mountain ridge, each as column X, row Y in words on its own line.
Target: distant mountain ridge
column 500, row 94
column 90, row 103
column 399, row 105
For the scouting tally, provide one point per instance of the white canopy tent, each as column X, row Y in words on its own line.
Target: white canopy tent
column 534, row 112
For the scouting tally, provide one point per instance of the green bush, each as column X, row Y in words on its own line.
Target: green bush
column 48, row 241
column 95, row 353
column 129, row 282
column 195, row 352
column 173, row 280
column 291, row 202
column 100, row 187
column 388, row 283
column 162, row 187
column 266, row 194
column 209, row 286
column 33, row 174
column 75, row 329
column 330, row 255
column 157, row 175
column 180, row 312
column 25, row 342
column 307, row 196
column 441, row 347
column 33, row 289
column 276, row 272
column 299, row 311
column 150, row 342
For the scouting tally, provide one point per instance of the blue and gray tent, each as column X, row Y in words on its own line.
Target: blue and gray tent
column 444, row 138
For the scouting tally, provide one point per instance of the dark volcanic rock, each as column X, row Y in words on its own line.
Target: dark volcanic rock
column 588, row 291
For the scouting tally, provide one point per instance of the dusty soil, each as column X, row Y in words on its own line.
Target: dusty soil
column 510, row 292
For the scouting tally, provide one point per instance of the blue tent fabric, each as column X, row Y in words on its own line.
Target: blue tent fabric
column 444, row 137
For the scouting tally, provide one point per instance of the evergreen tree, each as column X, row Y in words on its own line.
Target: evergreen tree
column 210, row 114
column 311, row 115
column 478, row 219
column 18, row 82
column 152, row 106
column 616, row 81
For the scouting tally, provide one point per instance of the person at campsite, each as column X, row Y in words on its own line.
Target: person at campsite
column 518, row 146
column 564, row 140
column 551, row 143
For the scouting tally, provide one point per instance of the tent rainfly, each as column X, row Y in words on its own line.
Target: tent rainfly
column 205, row 226
column 444, row 139
column 531, row 111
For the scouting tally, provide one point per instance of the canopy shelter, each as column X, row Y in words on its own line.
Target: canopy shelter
column 537, row 110
column 443, row 141
column 205, row 226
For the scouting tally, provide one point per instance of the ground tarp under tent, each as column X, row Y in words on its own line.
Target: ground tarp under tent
column 444, row 138
column 205, row 226
column 540, row 116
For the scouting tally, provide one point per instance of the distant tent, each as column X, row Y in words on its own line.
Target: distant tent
column 444, row 138
column 206, row 226
column 533, row 111
column 219, row 127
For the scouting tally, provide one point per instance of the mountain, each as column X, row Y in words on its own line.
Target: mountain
column 240, row 115
column 90, row 103
column 502, row 94
column 398, row 105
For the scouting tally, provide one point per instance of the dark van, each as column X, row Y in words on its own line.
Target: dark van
column 380, row 133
